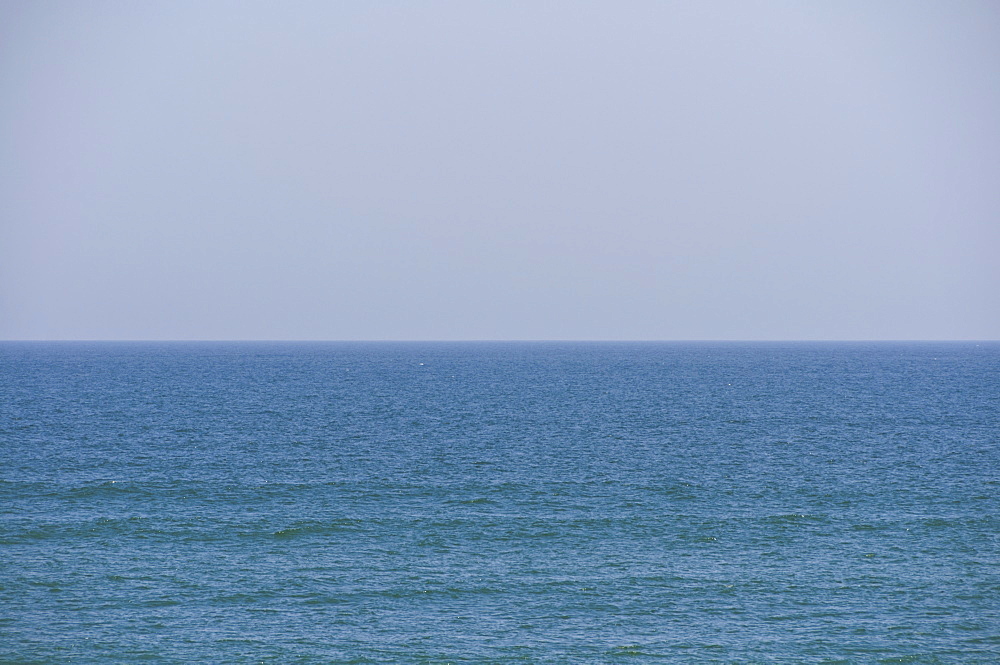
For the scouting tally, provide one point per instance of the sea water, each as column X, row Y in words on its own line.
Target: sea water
column 499, row 502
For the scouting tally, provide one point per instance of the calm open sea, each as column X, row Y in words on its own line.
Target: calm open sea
column 500, row 502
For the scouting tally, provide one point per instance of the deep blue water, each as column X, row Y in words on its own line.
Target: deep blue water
column 500, row 502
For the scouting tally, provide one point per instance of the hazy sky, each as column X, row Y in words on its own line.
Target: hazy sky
column 499, row 170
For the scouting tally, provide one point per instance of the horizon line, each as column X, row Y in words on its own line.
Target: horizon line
column 494, row 341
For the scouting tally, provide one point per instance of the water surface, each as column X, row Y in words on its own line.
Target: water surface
column 499, row 502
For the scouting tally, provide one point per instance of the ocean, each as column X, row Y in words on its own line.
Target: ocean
column 542, row 502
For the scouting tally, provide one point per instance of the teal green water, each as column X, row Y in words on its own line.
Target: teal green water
column 495, row 503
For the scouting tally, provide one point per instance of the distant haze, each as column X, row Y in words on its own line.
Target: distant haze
column 499, row 170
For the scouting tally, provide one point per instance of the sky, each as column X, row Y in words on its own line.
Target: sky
column 427, row 170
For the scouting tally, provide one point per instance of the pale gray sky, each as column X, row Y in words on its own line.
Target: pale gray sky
column 499, row 170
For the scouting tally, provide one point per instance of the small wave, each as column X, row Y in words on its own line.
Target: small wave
column 450, row 591
column 243, row 598
column 159, row 602
column 940, row 522
column 30, row 534
column 630, row 650
column 317, row 528
column 87, row 491
column 866, row 527
column 107, row 489
column 911, row 658
column 697, row 537
column 794, row 518
column 990, row 639
column 479, row 501
column 322, row 599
